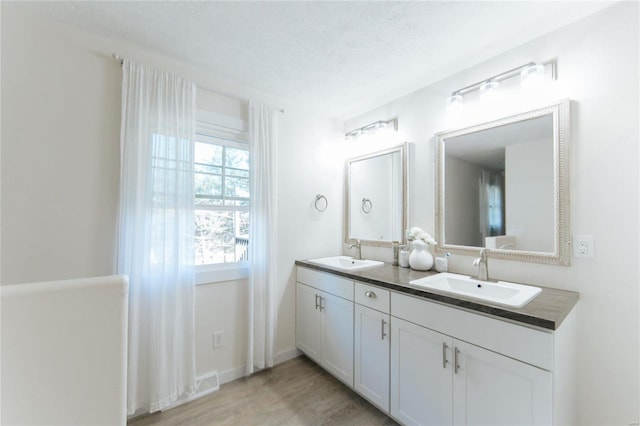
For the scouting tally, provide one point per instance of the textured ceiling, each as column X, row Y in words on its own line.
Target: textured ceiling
column 344, row 56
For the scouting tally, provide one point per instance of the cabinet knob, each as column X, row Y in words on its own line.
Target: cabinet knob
column 370, row 294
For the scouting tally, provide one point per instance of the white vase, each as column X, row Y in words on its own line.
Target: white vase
column 420, row 258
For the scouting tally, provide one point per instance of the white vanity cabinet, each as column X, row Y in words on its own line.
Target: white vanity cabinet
column 421, row 385
column 324, row 321
column 308, row 321
column 372, row 344
column 477, row 370
column 489, row 388
column 429, row 363
column 438, row 380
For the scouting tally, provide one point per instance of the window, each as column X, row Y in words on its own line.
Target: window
column 221, row 187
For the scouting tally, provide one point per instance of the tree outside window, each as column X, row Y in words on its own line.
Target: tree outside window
column 221, row 187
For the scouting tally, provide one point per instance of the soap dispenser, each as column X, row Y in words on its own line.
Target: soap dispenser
column 403, row 257
column 442, row 263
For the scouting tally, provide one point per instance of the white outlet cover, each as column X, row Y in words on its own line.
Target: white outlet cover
column 217, row 339
column 583, row 247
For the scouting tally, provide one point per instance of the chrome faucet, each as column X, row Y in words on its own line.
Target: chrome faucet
column 481, row 263
column 356, row 245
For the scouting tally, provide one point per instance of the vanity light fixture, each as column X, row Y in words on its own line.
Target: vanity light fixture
column 370, row 128
column 529, row 73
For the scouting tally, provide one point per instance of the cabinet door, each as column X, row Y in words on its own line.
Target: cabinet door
column 421, row 385
column 308, row 321
column 371, row 376
column 337, row 337
column 492, row 389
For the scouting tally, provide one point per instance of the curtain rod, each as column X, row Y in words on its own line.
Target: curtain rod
column 217, row 92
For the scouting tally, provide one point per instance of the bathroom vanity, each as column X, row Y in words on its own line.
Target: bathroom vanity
column 426, row 357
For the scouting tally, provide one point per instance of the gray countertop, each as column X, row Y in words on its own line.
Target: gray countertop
column 546, row 311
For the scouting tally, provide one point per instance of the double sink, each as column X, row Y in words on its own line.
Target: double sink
column 500, row 292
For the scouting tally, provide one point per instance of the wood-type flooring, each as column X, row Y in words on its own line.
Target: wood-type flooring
column 296, row 392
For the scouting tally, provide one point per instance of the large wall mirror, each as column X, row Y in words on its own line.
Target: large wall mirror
column 504, row 186
column 376, row 197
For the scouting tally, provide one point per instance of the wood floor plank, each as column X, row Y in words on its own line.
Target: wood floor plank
column 296, row 392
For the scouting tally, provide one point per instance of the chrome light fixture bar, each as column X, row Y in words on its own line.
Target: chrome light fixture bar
column 381, row 124
column 494, row 81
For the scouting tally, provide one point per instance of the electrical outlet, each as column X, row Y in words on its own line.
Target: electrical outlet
column 217, row 339
column 583, row 246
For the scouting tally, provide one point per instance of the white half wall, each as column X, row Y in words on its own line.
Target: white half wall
column 64, row 352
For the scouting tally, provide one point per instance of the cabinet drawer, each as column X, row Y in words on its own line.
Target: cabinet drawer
column 523, row 343
column 332, row 284
column 373, row 297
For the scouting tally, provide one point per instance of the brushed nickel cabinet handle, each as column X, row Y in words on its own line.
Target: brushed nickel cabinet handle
column 370, row 294
column 382, row 330
column 321, row 305
column 317, row 304
column 456, row 366
column 444, row 355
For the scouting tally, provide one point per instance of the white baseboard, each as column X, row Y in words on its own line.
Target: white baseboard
column 239, row 372
column 286, row 355
column 232, row 374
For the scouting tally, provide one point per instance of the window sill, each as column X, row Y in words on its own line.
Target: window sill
column 209, row 274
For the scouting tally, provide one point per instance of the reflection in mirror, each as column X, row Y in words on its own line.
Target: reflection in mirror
column 375, row 207
column 518, row 216
column 503, row 186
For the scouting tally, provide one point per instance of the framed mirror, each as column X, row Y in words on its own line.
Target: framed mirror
column 376, row 197
column 504, row 186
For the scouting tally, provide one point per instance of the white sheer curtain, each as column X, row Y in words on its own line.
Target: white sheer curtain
column 156, row 234
column 263, row 130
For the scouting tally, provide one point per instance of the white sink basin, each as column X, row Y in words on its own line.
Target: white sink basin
column 501, row 292
column 347, row 263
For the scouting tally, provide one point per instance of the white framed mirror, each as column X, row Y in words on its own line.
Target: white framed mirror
column 504, row 186
column 376, row 197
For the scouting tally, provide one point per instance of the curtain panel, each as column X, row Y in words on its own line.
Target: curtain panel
column 156, row 221
column 263, row 133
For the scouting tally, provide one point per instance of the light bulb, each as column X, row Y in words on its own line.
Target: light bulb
column 532, row 77
column 454, row 100
column 489, row 87
column 455, row 110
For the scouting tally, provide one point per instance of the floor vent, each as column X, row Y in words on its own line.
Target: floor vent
column 205, row 385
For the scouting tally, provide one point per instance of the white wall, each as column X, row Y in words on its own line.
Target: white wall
column 529, row 202
column 59, row 155
column 598, row 69
column 60, row 173
column 462, row 207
